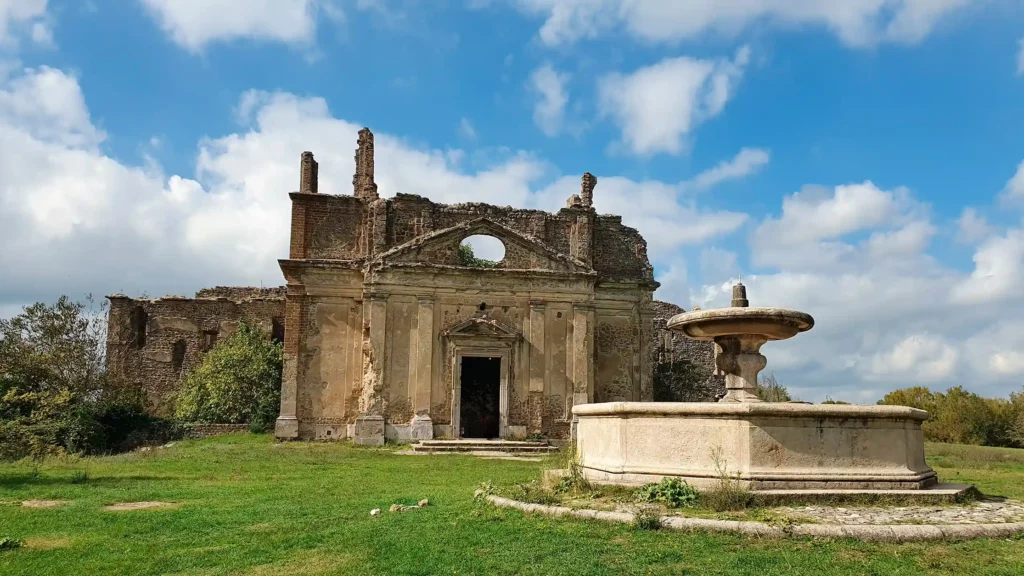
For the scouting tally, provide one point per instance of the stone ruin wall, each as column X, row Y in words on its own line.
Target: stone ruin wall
column 684, row 369
column 352, row 228
column 152, row 343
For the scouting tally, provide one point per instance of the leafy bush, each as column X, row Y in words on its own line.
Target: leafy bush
column 238, row 382
column 672, row 492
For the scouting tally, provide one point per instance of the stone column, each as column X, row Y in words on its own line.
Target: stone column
column 369, row 425
column 741, row 360
column 422, row 426
column 287, row 425
column 538, row 365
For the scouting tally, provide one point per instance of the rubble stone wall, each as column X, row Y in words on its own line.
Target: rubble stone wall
column 152, row 343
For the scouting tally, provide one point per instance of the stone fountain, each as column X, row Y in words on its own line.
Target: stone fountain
column 788, row 446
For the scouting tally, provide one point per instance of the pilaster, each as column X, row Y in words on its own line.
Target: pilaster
column 369, row 426
column 287, row 425
column 422, row 426
column 538, row 365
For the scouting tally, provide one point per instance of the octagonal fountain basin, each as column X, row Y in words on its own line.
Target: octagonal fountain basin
column 763, row 446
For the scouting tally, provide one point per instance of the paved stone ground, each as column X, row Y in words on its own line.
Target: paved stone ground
column 983, row 512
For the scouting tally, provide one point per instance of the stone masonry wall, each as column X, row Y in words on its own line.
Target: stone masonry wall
column 352, row 228
column 152, row 343
column 684, row 369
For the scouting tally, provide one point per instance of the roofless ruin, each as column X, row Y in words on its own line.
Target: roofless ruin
column 389, row 332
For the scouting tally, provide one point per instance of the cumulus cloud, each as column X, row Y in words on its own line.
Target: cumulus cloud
column 24, row 18
column 857, row 23
column 1014, row 190
column 972, row 227
column 549, row 86
column 76, row 220
column 193, row 24
column 658, row 106
column 888, row 314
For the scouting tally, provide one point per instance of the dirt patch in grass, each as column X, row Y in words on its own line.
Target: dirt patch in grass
column 309, row 562
column 47, row 543
column 138, row 505
column 43, row 503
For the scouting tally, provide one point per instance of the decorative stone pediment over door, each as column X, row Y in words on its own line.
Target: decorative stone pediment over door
column 481, row 337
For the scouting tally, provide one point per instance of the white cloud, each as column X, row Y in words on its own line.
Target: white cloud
column 1014, row 189
column 24, row 17
column 856, row 22
column 193, row 24
column 998, row 271
column 658, row 106
column 748, row 161
column 75, row 220
column 887, row 314
column 550, row 88
column 922, row 357
column 972, row 227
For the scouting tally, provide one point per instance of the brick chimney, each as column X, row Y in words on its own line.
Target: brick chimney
column 362, row 183
column 587, row 191
column 308, row 174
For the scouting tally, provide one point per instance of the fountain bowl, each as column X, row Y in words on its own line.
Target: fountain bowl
column 769, row 323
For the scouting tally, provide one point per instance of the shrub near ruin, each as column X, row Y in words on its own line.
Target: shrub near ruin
column 238, row 382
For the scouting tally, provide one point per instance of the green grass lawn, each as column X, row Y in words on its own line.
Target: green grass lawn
column 245, row 505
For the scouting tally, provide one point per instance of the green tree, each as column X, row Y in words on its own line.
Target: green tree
column 467, row 258
column 238, row 382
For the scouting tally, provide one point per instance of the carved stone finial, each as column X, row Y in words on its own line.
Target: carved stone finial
column 587, row 191
column 362, row 183
column 739, row 296
column 573, row 201
column 308, row 176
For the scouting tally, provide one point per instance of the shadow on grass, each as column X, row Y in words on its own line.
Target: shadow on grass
column 25, row 480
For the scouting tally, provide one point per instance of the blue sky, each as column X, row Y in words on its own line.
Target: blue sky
column 857, row 160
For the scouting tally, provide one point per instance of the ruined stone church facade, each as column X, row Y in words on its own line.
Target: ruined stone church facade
column 389, row 333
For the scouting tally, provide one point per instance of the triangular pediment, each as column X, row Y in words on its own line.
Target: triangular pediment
column 441, row 248
column 485, row 326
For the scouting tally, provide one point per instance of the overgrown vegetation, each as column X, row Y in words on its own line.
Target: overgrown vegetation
column 769, row 390
column 55, row 394
column 238, row 382
column 467, row 258
column 671, row 492
column 962, row 417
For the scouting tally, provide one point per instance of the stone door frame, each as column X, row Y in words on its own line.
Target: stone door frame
column 488, row 350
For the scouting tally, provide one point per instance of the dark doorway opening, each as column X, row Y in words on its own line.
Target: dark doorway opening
column 480, row 397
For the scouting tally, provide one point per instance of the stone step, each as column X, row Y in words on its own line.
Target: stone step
column 483, row 446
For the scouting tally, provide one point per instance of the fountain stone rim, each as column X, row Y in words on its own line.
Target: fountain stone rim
column 769, row 322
